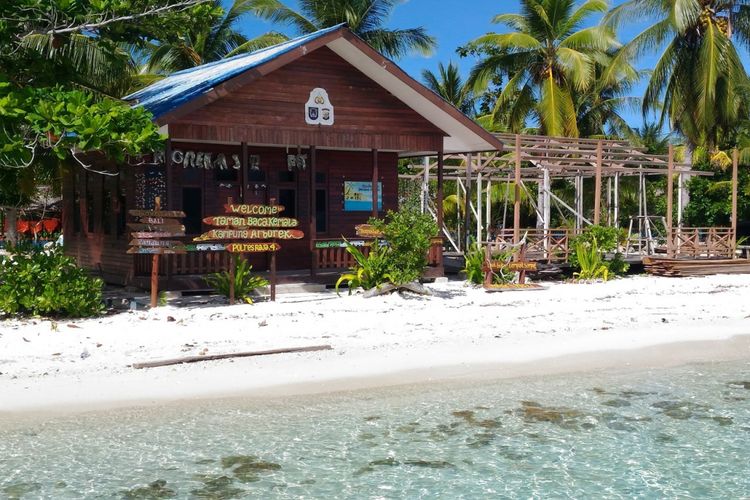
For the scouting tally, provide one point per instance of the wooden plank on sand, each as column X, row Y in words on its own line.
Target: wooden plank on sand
column 214, row 357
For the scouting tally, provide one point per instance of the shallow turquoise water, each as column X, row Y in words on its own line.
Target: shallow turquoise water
column 679, row 432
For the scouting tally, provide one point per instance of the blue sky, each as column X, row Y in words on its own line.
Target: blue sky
column 454, row 23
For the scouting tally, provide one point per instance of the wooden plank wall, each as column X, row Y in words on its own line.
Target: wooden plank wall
column 272, row 111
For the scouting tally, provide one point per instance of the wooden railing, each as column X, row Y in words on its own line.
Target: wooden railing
column 703, row 242
column 551, row 245
column 332, row 254
column 191, row 263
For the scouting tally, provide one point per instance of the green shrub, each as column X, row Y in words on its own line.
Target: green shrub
column 590, row 262
column 47, row 283
column 474, row 264
column 371, row 270
column 607, row 239
column 409, row 235
column 244, row 281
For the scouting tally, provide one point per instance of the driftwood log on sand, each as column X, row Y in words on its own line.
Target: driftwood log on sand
column 214, row 357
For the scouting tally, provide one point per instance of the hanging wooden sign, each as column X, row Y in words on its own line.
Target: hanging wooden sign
column 160, row 221
column 206, row 247
column 155, row 243
column 174, row 228
column 514, row 266
column 367, row 231
column 252, row 247
column 156, row 251
column 233, row 209
column 230, row 221
column 251, row 234
column 156, row 234
column 157, row 213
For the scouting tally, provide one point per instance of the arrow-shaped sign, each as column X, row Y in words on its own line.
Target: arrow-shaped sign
column 242, row 222
column 157, row 234
column 157, row 227
column 253, row 247
column 157, row 213
column 251, row 234
column 155, row 243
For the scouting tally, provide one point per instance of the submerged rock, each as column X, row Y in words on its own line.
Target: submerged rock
column 480, row 440
column 470, row 418
column 430, row 464
column 19, row 490
column 389, row 462
column 532, row 411
column 217, row 488
column 681, row 410
column 740, row 385
column 248, row 468
column 617, row 403
column 157, row 489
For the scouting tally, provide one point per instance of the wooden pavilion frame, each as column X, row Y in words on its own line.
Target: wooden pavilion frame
column 534, row 159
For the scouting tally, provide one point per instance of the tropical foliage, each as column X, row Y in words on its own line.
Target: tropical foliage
column 370, row 271
column 554, row 65
column 245, row 282
column 409, row 235
column 590, row 262
column 604, row 240
column 47, row 283
column 214, row 39
column 365, row 17
column 698, row 82
column 449, row 85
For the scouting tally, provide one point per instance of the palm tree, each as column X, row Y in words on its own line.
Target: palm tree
column 365, row 17
column 698, row 82
column 212, row 41
column 548, row 57
column 449, row 85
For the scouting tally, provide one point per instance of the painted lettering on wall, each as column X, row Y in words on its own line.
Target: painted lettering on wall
column 205, row 160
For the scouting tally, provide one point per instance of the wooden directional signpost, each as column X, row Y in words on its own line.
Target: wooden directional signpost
column 150, row 235
column 242, row 229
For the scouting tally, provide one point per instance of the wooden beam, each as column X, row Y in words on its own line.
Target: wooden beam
column 735, row 184
column 670, row 201
column 375, row 178
column 517, row 194
column 598, row 185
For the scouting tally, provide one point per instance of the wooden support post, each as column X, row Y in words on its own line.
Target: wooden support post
column 598, row 184
column 244, row 171
column 517, row 193
column 488, row 210
column 232, row 291
column 170, row 175
column 439, row 201
column 579, row 201
column 670, row 201
column 155, row 266
column 424, row 198
column 616, row 208
column 273, row 254
column 313, row 224
column 480, row 222
column 467, row 211
column 735, row 184
column 375, row 179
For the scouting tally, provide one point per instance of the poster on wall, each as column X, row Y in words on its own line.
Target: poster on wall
column 358, row 196
column 150, row 183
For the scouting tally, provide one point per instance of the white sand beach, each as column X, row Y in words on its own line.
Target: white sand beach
column 459, row 332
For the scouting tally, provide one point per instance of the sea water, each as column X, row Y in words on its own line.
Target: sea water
column 668, row 433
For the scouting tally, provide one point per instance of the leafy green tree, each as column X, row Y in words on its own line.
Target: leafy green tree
column 365, row 17
column 698, row 82
column 449, row 85
column 548, row 58
column 57, row 57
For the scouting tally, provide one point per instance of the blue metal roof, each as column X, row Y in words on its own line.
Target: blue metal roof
column 184, row 86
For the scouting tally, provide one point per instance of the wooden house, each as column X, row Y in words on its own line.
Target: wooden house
column 316, row 124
